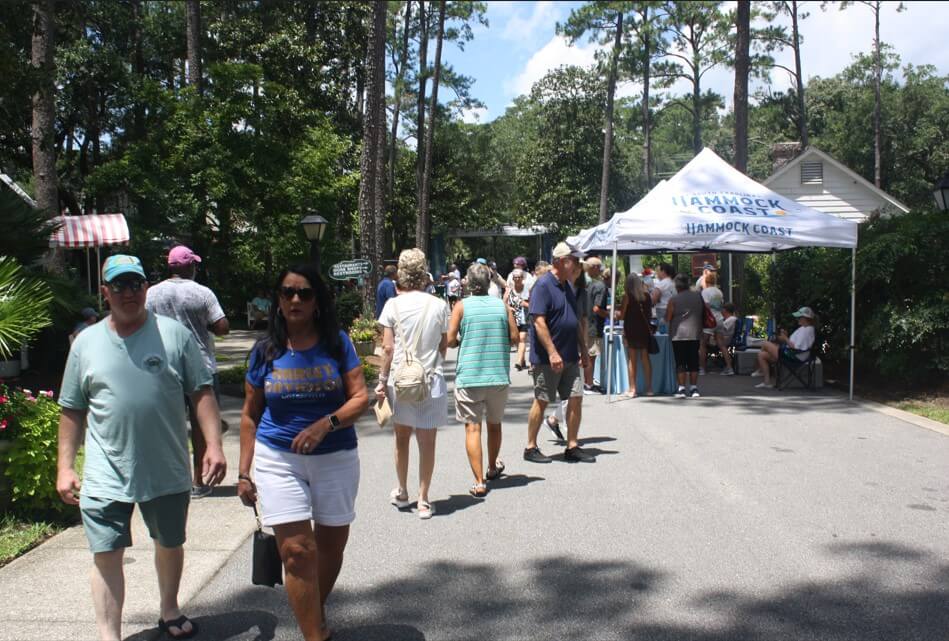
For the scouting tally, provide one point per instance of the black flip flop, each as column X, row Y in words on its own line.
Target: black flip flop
column 165, row 626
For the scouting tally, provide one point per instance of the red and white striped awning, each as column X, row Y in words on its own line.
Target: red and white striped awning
column 97, row 230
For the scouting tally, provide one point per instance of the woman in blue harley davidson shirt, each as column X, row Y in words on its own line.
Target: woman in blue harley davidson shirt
column 304, row 390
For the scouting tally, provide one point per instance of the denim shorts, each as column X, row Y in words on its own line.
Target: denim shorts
column 107, row 523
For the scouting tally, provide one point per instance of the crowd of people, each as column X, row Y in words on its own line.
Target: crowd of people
column 305, row 389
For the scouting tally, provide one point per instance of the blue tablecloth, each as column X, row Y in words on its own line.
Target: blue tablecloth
column 663, row 367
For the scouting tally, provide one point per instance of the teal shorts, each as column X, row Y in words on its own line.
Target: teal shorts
column 108, row 523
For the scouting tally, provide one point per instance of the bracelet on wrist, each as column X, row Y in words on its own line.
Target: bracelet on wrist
column 244, row 477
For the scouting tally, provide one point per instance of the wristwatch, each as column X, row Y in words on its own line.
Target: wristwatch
column 334, row 422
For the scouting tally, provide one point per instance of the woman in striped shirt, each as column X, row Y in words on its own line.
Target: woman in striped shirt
column 483, row 328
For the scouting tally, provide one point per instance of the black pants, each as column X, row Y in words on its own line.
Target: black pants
column 686, row 355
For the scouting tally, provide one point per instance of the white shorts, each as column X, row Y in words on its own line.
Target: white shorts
column 428, row 414
column 297, row 487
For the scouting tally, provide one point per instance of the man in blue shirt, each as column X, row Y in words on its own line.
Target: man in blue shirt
column 386, row 288
column 558, row 349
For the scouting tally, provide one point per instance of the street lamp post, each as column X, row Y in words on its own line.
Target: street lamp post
column 314, row 226
column 941, row 193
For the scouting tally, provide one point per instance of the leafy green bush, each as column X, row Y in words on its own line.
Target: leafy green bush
column 348, row 308
column 902, row 302
column 363, row 330
column 370, row 372
column 232, row 375
column 31, row 462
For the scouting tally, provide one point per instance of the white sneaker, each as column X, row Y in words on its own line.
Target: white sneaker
column 694, row 393
column 762, row 385
column 728, row 371
column 680, row 393
column 757, row 372
column 701, row 371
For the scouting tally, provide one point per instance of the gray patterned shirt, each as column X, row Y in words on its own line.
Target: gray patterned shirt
column 191, row 304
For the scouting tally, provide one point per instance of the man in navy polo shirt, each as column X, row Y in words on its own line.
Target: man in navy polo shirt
column 558, row 350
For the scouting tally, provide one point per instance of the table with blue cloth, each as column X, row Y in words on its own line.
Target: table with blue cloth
column 663, row 366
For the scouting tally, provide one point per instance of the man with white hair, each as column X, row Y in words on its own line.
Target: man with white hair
column 599, row 300
column 558, row 350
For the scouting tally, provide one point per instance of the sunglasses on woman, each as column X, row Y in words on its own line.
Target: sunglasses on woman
column 134, row 285
column 305, row 294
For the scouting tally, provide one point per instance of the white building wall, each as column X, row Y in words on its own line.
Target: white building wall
column 839, row 194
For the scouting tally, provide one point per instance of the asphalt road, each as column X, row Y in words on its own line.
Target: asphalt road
column 741, row 516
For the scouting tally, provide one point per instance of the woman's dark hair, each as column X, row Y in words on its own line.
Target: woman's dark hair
column 681, row 282
column 274, row 345
column 668, row 269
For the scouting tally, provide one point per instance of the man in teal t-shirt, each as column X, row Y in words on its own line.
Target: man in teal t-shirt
column 125, row 378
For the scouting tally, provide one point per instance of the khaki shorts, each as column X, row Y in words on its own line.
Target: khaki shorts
column 594, row 346
column 474, row 403
column 107, row 523
column 548, row 384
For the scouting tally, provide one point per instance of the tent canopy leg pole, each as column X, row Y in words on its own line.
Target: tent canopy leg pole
column 609, row 344
column 853, row 312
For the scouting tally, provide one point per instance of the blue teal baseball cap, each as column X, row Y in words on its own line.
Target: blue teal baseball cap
column 482, row 261
column 119, row 264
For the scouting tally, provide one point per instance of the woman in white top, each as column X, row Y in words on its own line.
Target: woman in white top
column 797, row 346
column 417, row 322
column 715, row 300
column 663, row 292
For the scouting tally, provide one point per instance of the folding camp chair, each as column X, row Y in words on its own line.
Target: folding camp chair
column 803, row 372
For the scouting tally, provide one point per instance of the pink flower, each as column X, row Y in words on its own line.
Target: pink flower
column 47, row 393
column 3, row 424
column 3, row 399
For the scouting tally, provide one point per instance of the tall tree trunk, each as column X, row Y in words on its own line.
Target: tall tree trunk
column 696, row 114
column 420, row 115
column 193, row 17
column 608, row 133
column 394, row 137
column 796, row 39
column 647, row 119
column 44, row 106
column 424, row 230
column 138, row 67
column 742, row 68
column 877, row 78
column 376, row 72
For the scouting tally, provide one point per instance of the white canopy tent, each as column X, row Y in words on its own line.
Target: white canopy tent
column 710, row 205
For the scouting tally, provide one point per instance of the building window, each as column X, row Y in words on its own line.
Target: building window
column 812, row 173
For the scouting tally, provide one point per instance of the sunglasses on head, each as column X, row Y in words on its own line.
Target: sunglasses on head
column 134, row 285
column 304, row 293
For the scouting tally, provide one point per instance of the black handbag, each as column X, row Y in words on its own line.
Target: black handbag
column 653, row 345
column 267, row 567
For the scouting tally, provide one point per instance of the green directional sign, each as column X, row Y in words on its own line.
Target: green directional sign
column 350, row 269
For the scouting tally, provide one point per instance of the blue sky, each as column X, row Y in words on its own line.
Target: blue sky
column 520, row 46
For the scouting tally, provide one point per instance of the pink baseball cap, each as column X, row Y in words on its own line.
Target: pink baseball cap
column 182, row 255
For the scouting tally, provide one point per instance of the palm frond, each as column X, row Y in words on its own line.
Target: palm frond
column 24, row 306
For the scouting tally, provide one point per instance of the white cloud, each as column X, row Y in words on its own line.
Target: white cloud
column 524, row 29
column 556, row 53
column 475, row 115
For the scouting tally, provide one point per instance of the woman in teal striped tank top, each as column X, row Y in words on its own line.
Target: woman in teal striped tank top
column 483, row 329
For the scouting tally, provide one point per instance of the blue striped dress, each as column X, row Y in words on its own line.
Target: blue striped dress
column 484, row 353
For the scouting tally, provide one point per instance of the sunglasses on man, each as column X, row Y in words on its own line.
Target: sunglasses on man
column 305, row 294
column 119, row 285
